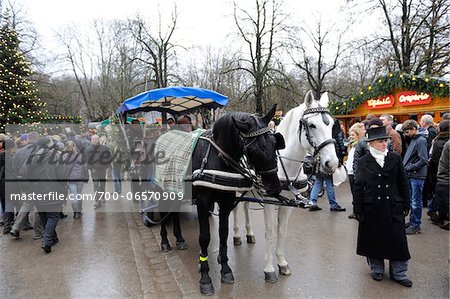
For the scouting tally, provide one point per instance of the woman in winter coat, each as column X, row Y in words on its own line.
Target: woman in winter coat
column 381, row 201
column 77, row 176
column 357, row 132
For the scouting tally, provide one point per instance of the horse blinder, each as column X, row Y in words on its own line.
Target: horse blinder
column 280, row 143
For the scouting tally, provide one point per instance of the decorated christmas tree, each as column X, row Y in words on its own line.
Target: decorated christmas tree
column 19, row 103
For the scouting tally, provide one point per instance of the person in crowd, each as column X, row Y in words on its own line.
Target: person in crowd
column 380, row 203
column 272, row 126
column 98, row 159
column 2, row 178
column 338, row 136
column 45, row 165
column 426, row 122
column 368, row 118
column 395, row 141
column 356, row 133
column 18, row 164
column 443, row 186
column 404, row 139
column 11, row 187
column 185, row 123
column 77, row 176
column 446, row 116
column 433, row 164
column 415, row 165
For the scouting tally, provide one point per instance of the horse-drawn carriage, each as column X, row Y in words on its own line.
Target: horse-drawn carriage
column 241, row 149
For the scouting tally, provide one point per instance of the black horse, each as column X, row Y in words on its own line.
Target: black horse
column 234, row 135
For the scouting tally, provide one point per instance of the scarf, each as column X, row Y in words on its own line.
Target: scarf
column 378, row 155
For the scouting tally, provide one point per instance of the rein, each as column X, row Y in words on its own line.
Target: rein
column 241, row 168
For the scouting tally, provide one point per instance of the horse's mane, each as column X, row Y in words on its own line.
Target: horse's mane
column 225, row 123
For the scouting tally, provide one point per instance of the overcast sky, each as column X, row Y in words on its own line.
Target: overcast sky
column 203, row 22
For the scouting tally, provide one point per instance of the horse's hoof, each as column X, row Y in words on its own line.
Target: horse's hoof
column 251, row 239
column 207, row 289
column 271, row 277
column 284, row 270
column 237, row 241
column 181, row 245
column 227, row 278
column 165, row 247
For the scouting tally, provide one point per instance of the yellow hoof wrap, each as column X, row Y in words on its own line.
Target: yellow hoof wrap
column 203, row 259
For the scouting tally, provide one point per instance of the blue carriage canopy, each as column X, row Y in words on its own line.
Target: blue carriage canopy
column 175, row 100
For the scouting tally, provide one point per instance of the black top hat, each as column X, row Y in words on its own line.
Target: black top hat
column 377, row 133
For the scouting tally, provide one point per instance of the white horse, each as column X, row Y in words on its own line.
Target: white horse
column 306, row 128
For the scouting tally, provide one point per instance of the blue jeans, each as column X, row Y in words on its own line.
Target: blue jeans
column 76, row 188
column 117, row 177
column 398, row 268
column 328, row 187
column 416, row 188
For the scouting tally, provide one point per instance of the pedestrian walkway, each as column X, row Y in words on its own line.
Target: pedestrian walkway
column 112, row 254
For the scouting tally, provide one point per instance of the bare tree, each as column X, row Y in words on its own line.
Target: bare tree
column 82, row 67
column 262, row 33
column 322, row 59
column 418, row 34
column 158, row 51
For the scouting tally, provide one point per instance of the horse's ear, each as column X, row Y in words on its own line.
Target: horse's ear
column 324, row 99
column 268, row 117
column 240, row 125
column 309, row 99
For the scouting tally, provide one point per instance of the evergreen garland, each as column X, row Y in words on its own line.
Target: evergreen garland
column 386, row 84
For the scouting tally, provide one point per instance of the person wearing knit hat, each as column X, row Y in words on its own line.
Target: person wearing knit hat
column 381, row 203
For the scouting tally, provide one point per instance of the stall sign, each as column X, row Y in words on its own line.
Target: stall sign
column 408, row 98
column 381, row 102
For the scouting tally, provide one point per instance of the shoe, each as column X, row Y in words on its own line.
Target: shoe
column 27, row 227
column 37, row 237
column 406, row 282
column 15, row 234
column 430, row 213
column 352, row 216
column 436, row 219
column 444, row 226
column 377, row 276
column 76, row 215
column 47, row 248
column 62, row 215
column 55, row 241
column 7, row 230
column 337, row 209
column 412, row 230
column 314, row 208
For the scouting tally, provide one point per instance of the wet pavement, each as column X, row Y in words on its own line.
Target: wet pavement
column 113, row 255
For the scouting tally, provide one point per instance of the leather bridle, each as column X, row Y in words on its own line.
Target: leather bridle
column 303, row 124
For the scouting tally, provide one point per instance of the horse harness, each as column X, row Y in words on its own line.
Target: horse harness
column 242, row 167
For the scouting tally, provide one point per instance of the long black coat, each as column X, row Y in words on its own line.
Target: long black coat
column 381, row 196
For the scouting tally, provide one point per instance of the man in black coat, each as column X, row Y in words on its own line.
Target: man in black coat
column 98, row 159
column 46, row 176
column 380, row 203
